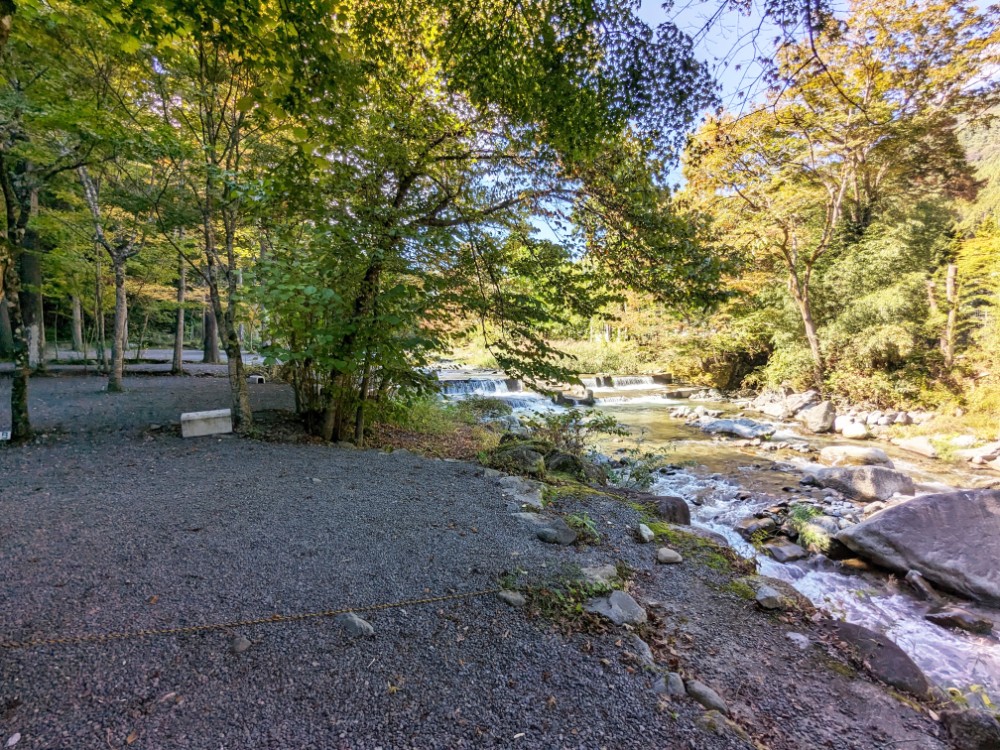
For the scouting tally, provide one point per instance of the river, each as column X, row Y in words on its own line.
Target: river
column 717, row 472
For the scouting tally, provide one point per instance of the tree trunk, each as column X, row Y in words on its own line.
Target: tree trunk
column 800, row 293
column 78, row 345
column 951, row 296
column 99, row 334
column 31, row 299
column 120, row 340
column 210, row 331
column 6, row 333
column 142, row 335
column 177, row 367
column 20, row 420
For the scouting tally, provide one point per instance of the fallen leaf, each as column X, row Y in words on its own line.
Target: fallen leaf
column 154, row 599
column 132, row 737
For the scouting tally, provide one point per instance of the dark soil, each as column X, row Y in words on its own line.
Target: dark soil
column 109, row 526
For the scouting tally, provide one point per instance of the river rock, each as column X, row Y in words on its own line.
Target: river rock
column 921, row 445
column 972, row 730
column 785, row 552
column 670, row 508
column 742, row 428
column 818, row 418
column 240, row 644
column 618, row 607
column 749, row 527
column 706, row 696
column 642, row 650
column 672, row 685
column 841, row 421
column 513, row 598
column 884, row 659
column 645, row 533
column 951, row 538
column 667, row 556
column 565, row 463
column 606, row 575
column 855, row 431
column 865, row 483
column 769, row 598
column 951, row 616
column 519, row 459
column 854, row 455
column 354, row 625
column 557, row 532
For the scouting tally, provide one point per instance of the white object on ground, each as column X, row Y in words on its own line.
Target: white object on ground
column 201, row 423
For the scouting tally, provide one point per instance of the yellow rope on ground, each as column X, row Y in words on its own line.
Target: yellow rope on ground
column 272, row 619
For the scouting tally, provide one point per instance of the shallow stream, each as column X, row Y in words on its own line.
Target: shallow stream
column 717, row 472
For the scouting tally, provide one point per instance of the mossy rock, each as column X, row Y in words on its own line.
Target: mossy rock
column 518, row 458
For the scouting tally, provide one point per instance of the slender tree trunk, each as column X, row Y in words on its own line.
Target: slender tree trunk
column 951, row 295
column 31, row 299
column 6, row 332
column 800, row 293
column 142, row 335
column 177, row 367
column 120, row 340
column 99, row 333
column 210, row 332
column 19, row 416
column 78, row 345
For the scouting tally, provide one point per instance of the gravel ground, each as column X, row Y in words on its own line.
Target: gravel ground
column 109, row 527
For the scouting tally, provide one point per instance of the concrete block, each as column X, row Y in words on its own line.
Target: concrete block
column 4, row 435
column 200, row 423
column 255, row 379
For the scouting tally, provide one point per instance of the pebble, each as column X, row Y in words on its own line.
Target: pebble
column 239, row 644
column 642, row 650
column 706, row 696
column 667, row 556
column 672, row 685
column 646, row 534
column 355, row 626
column 14, row 739
column 513, row 598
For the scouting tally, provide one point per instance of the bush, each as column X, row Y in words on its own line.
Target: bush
column 570, row 431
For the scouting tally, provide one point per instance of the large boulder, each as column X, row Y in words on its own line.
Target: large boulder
column 519, row 458
column 921, row 445
column 781, row 405
column 884, row 659
column 667, row 507
column 864, row 483
column 951, row 538
column 818, row 418
column 972, row 730
column 743, row 428
column 855, row 431
column 854, row 455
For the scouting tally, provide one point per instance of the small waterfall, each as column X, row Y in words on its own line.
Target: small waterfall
column 627, row 381
column 612, row 400
column 477, row 387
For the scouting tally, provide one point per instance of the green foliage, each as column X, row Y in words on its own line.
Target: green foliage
column 809, row 535
column 571, row 431
column 584, row 526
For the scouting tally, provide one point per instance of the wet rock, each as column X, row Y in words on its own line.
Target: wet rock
column 854, row 455
column 785, row 552
column 921, row 588
column 618, row 607
column 513, row 598
column 741, row 428
column 920, row 445
column 972, row 730
column 957, row 618
column 667, row 556
column 865, row 483
column 951, row 538
column 769, row 598
column 783, row 405
column 818, row 418
column 670, row 508
column 672, row 685
column 855, row 431
column 355, row 626
column 884, row 659
column 645, row 534
column 749, row 527
column 706, row 696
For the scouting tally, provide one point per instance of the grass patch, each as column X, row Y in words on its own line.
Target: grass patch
column 584, row 526
column 701, row 550
column 741, row 588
